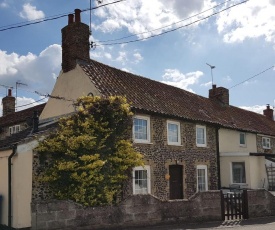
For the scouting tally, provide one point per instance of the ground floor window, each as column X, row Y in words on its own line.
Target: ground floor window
column 141, row 180
column 202, row 181
column 238, row 172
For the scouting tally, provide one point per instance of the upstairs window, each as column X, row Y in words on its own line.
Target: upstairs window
column 141, row 129
column 266, row 142
column 242, row 140
column 141, row 180
column 238, row 172
column 14, row 129
column 173, row 133
column 201, row 136
column 202, row 181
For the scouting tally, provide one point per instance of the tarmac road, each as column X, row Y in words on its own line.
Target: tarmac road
column 266, row 223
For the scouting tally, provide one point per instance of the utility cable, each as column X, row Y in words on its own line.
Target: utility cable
column 172, row 30
column 252, row 77
column 133, row 35
column 31, row 103
column 37, row 21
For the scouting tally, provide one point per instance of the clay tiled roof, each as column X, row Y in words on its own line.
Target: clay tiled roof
column 153, row 96
column 20, row 116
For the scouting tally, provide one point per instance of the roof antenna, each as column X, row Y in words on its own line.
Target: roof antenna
column 212, row 67
column 18, row 83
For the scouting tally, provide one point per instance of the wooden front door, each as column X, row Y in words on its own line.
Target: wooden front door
column 176, row 182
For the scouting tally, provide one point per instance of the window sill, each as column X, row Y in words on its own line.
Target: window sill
column 146, row 143
column 201, row 146
column 174, row 144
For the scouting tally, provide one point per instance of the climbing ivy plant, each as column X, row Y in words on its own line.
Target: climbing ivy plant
column 91, row 154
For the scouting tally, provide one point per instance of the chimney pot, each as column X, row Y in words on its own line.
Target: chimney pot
column 70, row 19
column 214, row 86
column 77, row 15
column 9, row 93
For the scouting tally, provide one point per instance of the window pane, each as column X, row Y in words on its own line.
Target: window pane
column 140, row 129
column 201, row 179
column 238, row 169
column 200, row 136
column 173, row 133
column 242, row 138
column 141, row 185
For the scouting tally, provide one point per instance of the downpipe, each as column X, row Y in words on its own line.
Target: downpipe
column 14, row 148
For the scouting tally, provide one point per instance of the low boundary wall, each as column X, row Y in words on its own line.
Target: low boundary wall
column 142, row 210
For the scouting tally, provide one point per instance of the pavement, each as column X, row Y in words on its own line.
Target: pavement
column 264, row 223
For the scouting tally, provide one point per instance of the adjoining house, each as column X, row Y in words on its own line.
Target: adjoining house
column 13, row 122
column 16, row 159
column 190, row 143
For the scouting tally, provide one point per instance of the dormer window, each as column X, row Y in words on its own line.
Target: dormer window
column 266, row 142
column 14, row 129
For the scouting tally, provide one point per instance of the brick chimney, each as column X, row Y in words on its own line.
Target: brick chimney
column 75, row 42
column 219, row 94
column 8, row 103
column 268, row 112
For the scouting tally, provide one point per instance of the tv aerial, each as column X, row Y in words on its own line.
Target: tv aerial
column 211, row 67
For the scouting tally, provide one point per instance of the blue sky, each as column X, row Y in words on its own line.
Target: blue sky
column 240, row 42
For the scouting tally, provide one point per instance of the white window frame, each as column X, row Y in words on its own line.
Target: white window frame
column 148, row 129
column 14, row 129
column 266, row 143
column 179, row 137
column 205, row 139
column 242, row 145
column 232, row 176
column 147, row 168
column 203, row 167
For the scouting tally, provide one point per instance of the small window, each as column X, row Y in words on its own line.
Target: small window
column 141, row 180
column 202, row 181
column 201, row 136
column 238, row 172
column 141, row 129
column 14, row 129
column 242, row 139
column 173, row 133
column 266, row 142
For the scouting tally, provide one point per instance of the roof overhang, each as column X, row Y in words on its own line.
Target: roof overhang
column 268, row 156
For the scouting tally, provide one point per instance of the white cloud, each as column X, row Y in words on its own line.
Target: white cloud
column 4, row 5
column 30, row 12
column 207, row 84
column 253, row 19
column 255, row 108
column 140, row 16
column 108, row 55
column 137, row 57
column 175, row 78
column 38, row 72
column 227, row 79
column 122, row 57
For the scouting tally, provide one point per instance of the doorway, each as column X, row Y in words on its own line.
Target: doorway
column 176, row 182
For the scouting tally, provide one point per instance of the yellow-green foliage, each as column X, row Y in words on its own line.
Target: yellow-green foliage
column 91, row 154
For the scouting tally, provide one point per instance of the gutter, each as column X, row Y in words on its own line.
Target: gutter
column 218, row 157
column 14, row 148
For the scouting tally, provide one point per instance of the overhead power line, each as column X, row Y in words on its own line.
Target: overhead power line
column 252, row 77
column 145, row 32
column 37, row 21
column 172, row 30
column 30, row 103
